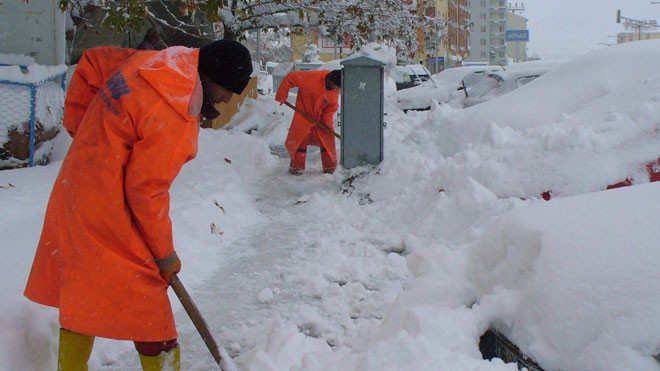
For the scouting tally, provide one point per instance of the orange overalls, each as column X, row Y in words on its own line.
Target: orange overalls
column 321, row 104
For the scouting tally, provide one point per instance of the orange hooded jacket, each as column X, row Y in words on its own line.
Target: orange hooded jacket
column 314, row 99
column 133, row 116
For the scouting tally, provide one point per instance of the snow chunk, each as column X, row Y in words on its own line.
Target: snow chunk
column 265, row 296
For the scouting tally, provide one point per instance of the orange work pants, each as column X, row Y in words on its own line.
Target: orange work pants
column 298, row 160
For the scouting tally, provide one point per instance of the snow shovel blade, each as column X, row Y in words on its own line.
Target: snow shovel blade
column 195, row 315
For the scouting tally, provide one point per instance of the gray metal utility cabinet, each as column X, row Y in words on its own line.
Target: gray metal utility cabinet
column 362, row 102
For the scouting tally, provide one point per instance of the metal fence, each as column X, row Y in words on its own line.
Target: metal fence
column 23, row 101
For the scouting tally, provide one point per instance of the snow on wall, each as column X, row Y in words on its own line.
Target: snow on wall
column 34, row 28
column 19, row 59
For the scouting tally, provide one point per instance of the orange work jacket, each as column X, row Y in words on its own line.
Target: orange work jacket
column 133, row 116
column 314, row 99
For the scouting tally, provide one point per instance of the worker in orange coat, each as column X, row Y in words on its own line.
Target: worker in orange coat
column 318, row 96
column 106, row 256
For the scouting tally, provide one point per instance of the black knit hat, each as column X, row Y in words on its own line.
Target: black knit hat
column 226, row 63
column 335, row 76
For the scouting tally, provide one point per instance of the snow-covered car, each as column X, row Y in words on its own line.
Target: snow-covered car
column 468, row 86
column 585, row 115
column 482, row 86
column 445, row 89
column 410, row 75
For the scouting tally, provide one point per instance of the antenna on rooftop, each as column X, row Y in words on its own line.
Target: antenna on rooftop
column 515, row 7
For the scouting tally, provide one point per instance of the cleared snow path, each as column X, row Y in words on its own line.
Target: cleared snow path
column 293, row 269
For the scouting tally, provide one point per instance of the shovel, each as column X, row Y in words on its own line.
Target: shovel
column 311, row 119
column 224, row 361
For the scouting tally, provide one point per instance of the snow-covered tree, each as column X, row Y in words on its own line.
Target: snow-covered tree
column 389, row 21
column 311, row 54
column 274, row 45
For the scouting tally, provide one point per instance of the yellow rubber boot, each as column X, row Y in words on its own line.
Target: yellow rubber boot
column 165, row 361
column 74, row 351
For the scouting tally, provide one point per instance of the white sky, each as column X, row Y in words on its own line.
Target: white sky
column 566, row 28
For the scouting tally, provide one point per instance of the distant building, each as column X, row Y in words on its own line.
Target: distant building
column 488, row 36
column 517, row 37
column 635, row 32
column 441, row 47
column 438, row 48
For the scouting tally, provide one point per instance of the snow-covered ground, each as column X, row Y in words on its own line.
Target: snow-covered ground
column 404, row 267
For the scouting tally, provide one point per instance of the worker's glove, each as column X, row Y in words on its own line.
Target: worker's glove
column 169, row 266
column 281, row 98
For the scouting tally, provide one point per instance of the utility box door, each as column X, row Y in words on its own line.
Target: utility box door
column 362, row 102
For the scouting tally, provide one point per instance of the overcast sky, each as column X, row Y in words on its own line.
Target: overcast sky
column 560, row 29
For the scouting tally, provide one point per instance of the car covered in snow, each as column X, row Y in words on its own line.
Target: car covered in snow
column 444, row 90
column 482, row 86
column 584, row 116
column 468, row 86
column 410, row 75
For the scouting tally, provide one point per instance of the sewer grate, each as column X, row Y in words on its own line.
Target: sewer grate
column 493, row 344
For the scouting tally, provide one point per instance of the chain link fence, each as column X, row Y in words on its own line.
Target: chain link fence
column 31, row 107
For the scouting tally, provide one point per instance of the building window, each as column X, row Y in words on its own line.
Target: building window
column 483, row 3
column 483, row 55
column 483, row 41
column 483, row 28
column 483, row 16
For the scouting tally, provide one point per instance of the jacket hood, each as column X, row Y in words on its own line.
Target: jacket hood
column 172, row 72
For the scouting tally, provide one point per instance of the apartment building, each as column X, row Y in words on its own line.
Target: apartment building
column 488, row 37
column 443, row 40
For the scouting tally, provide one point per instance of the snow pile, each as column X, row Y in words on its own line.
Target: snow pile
column 583, row 275
column 587, row 124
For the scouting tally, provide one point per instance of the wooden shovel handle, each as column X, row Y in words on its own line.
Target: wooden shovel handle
column 311, row 119
column 196, row 316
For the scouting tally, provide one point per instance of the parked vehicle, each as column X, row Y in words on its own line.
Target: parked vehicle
column 447, row 82
column 482, row 86
column 468, row 86
column 410, row 75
